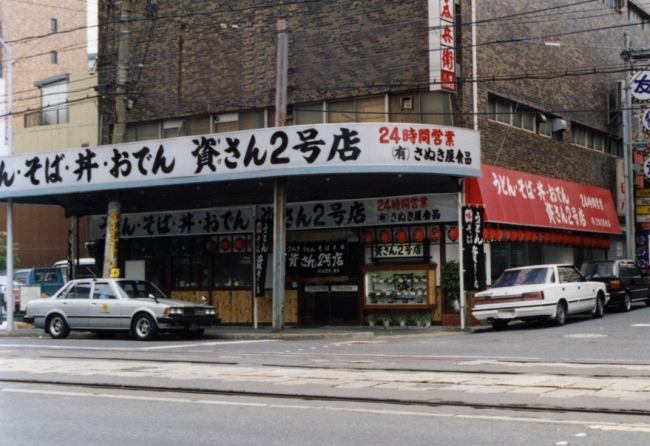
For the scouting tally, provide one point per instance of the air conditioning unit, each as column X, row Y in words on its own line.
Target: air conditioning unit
column 620, row 95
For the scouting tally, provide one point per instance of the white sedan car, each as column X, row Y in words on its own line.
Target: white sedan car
column 539, row 292
column 107, row 306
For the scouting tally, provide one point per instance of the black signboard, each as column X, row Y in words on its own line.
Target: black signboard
column 473, row 249
column 317, row 259
column 263, row 234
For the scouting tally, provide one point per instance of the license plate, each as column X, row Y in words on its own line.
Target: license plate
column 506, row 314
column 194, row 327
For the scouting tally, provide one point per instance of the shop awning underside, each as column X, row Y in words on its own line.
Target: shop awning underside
column 516, row 198
column 248, row 192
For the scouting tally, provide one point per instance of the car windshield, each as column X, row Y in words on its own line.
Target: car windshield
column 530, row 276
column 598, row 270
column 139, row 288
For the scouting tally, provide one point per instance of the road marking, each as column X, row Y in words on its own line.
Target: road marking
column 585, row 336
column 123, row 349
column 604, row 425
column 640, row 325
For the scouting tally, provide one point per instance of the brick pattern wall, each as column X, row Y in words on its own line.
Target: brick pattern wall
column 202, row 57
column 32, row 18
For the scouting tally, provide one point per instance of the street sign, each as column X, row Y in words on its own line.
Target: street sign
column 643, row 218
column 642, row 209
column 640, row 85
column 642, row 193
column 646, row 166
column 642, row 201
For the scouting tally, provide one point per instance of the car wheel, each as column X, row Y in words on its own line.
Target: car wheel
column 560, row 314
column 599, row 311
column 499, row 324
column 105, row 334
column 144, row 328
column 627, row 303
column 58, row 327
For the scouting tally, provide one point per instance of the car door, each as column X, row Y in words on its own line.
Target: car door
column 570, row 288
column 639, row 286
column 105, row 309
column 75, row 305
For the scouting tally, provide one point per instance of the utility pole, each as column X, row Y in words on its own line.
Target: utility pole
column 111, row 260
column 280, row 193
column 10, row 204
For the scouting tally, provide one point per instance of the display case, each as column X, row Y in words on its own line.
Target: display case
column 394, row 286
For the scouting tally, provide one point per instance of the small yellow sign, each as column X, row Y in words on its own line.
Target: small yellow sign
column 115, row 273
column 642, row 209
column 642, row 193
column 104, row 307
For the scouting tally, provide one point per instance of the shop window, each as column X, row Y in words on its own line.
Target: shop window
column 232, row 270
column 190, row 272
column 512, row 255
column 305, row 114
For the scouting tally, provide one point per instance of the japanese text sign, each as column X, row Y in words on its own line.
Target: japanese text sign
column 442, row 40
column 524, row 199
column 260, row 153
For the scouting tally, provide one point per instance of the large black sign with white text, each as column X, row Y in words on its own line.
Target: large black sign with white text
column 473, row 252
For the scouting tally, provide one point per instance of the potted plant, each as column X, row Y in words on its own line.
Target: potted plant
column 402, row 318
column 371, row 319
column 417, row 318
column 426, row 319
column 386, row 319
column 450, row 283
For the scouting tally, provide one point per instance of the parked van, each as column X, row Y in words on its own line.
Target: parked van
column 86, row 268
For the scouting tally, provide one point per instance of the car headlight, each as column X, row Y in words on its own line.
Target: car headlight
column 176, row 311
column 211, row 311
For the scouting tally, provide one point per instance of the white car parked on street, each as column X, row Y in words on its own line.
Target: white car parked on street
column 538, row 293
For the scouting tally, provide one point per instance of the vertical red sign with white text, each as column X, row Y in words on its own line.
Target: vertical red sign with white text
column 442, row 39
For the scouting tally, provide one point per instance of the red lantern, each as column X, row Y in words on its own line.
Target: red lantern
column 607, row 243
column 452, row 233
column 521, row 235
column 211, row 245
column 401, row 236
column 435, row 235
column 384, row 237
column 491, row 233
column 567, row 239
column 498, row 235
column 547, row 237
column 417, row 235
column 576, row 240
column 529, row 235
column 240, row 244
column 225, row 244
column 367, row 238
column 512, row 235
column 589, row 242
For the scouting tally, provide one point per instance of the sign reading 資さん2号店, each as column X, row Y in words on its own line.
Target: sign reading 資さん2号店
column 269, row 152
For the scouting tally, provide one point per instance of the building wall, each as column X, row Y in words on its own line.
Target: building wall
column 81, row 130
column 219, row 60
column 41, row 232
column 25, row 19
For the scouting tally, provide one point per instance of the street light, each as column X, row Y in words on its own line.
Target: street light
column 10, row 207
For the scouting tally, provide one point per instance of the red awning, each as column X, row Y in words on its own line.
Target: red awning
column 519, row 198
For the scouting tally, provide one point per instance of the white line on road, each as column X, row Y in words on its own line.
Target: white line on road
column 122, row 349
column 604, row 425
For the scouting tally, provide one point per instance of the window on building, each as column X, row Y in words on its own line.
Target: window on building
column 585, row 137
column 53, row 25
column 232, row 270
column 173, row 128
column 54, row 58
column 54, row 110
column 305, row 114
column 232, row 122
column 372, row 109
column 435, row 108
column 190, row 272
column 142, row 131
column 522, row 117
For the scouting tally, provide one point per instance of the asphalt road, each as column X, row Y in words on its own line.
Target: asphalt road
column 587, row 382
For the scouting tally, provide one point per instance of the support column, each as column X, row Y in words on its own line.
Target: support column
column 279, row 247
column 111, row 257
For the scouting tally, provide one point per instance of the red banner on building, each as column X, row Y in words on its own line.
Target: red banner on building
column 518, row 198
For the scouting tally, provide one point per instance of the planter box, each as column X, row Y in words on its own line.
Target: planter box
column 453, row 320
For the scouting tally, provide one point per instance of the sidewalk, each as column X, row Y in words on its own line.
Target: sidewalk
column 264, row 332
